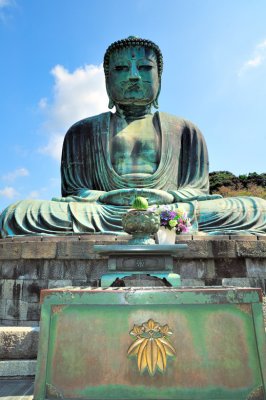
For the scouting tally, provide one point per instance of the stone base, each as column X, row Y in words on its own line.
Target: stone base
column 17, row 368
column 29, row 264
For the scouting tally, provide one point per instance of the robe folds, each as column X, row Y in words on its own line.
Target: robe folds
column 87, row 173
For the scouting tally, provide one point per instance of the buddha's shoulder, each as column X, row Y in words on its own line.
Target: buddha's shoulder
column 88, row 124
column 177, row 121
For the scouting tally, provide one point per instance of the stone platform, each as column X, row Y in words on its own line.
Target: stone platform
column 29, row 264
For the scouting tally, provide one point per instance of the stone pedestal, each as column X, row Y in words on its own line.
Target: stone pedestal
column 29, row 264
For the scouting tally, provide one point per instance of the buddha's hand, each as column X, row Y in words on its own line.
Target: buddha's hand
column 125, row 197
column 83, row 195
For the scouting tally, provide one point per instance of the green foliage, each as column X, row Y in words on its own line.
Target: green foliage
column 227, row 179
column 229, row 185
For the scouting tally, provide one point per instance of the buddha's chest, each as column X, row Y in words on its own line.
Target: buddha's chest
column 135, row 147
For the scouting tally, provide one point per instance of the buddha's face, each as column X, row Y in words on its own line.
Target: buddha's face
column 133, row 76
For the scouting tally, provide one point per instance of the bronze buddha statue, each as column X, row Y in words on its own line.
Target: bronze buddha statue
column 109, row 158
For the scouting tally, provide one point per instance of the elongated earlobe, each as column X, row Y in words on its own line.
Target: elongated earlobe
column 155, row 103
column 110, row 104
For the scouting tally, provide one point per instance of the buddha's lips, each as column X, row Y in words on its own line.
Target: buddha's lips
column 134, row 87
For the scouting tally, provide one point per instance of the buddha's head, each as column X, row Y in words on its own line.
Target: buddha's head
column 133, row 69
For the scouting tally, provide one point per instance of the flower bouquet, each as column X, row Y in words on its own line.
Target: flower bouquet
column 172, row 222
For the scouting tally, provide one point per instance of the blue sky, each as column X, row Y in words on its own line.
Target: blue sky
column 51, row 76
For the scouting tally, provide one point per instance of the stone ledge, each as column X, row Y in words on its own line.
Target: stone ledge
column 81, row 247
column 12, row 368
column 18, row 342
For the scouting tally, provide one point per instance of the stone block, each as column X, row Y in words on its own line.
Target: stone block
column 10, row 250
column 197, row 249
column 75, row 250
column 12, row 269
column 81, row 283
column 211, row 238
column 76, row 270
column 2, row 308
column 59, row 283
column 99, row 237
column 199, row 269
column 260, row 237
column 192, row 282
column 34, row 312
column 37, row 250
column 8, row 322
column 247, row 238
column 98, row 268
column 28, row 323
column 13, row 368
column 16, row 310
column 258, row 283
column 230, row 267
column 32, row 288
column 223, row 248
column 11, row 289
column 63, row 238
column 256, row 267
column 213, row 281
column 251, row 248
column 35, row 269
column 239, row 282
column 56, row 269
column 18, row 342
column 183, row 238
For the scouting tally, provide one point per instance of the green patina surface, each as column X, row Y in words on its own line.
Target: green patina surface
column 218, row 337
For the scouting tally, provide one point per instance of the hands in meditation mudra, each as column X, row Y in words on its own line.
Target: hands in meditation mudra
column 110, row 158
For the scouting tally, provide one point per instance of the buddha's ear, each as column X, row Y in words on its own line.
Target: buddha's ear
column 111, row 104
column 155, row 103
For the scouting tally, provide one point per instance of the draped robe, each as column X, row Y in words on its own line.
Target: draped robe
column 87, row 173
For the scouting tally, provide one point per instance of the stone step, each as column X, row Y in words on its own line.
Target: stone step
column 17, row 368
column 18, row 342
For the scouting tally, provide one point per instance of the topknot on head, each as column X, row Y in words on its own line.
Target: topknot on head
column 133, row 41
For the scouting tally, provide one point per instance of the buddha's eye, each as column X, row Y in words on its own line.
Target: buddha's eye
column 121, row 68
column 144, row 67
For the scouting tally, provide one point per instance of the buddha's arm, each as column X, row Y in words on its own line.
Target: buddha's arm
column 77, row 169
column 82, row 195
column 193, row 177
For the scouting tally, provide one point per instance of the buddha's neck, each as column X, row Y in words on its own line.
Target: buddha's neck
column 132, row 112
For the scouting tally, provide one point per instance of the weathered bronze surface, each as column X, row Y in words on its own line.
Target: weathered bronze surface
column 110, row 158
column 218, row 340
column 141, row 225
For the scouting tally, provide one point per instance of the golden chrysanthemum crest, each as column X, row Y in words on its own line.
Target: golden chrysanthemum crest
column 151, row 346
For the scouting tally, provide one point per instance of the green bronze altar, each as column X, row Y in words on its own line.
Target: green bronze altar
column 125, row 343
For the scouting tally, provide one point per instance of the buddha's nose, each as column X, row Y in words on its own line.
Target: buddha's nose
column 134, row 73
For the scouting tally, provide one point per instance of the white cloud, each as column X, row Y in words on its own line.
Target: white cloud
column 4, row 4
column 42, row 103
column 8, row 192
column 13, row 175
column 76, row 95
column 34, row 194
column 54, row 146
column 258, row 58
